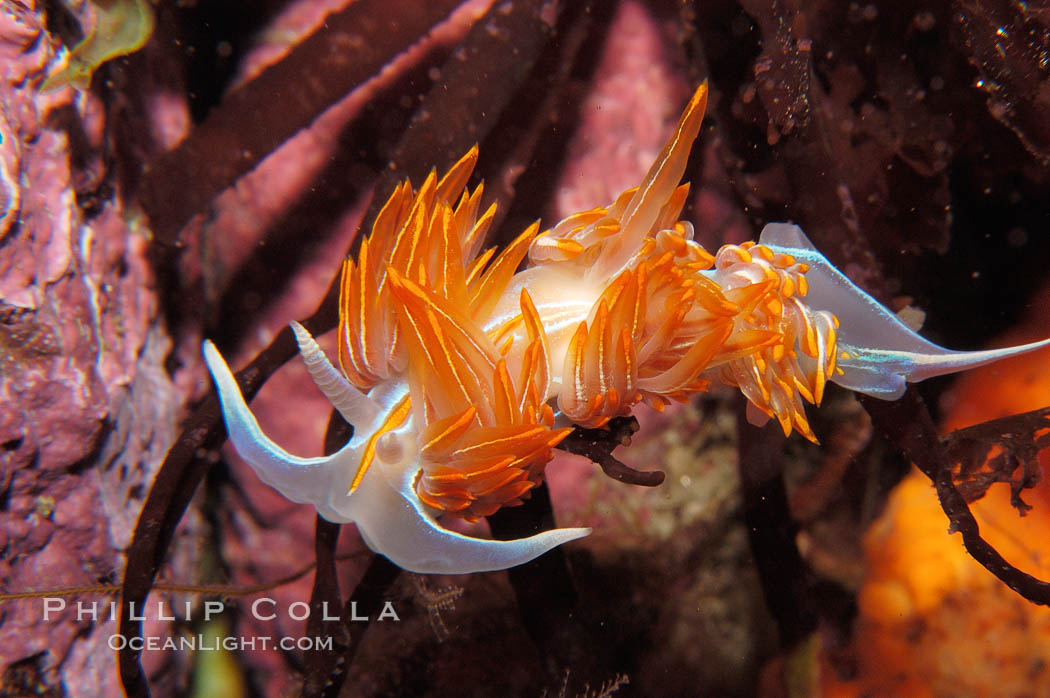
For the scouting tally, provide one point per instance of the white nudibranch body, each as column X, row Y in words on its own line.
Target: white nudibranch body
column 453, row 366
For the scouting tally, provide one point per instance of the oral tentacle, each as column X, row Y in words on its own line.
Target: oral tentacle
column 304, row 480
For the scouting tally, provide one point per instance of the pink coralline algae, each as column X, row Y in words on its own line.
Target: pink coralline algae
column 35, row 180
column 86, row 408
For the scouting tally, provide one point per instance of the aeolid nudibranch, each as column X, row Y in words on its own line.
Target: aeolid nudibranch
column 460, row 376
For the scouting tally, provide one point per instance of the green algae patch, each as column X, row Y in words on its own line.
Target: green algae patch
column 121, row 27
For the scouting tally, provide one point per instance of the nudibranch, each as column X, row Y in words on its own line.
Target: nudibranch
column 460, row 374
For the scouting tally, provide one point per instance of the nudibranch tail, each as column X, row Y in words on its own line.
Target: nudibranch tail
column 878, row 352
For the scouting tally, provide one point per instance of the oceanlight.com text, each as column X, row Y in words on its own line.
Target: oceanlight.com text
column 208, row 643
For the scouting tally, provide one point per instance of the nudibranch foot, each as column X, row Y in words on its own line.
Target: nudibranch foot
column 395, row 523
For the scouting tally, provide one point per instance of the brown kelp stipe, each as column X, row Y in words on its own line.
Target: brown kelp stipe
column 908, row 424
